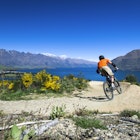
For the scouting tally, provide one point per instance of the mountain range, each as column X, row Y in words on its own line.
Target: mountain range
column 17, row 59
column 130, row 61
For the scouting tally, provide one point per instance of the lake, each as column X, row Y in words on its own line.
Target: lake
column 87, row 73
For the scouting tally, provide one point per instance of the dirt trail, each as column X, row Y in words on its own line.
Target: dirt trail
column 93, row 99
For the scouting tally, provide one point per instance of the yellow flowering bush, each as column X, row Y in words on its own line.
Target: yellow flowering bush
column 41, row 82
column 52, row 82
column 46, row 81
column 10, row 86
column 75, row 78
column 41, row 76
column 1, row 84
column 56, row 78
column 27, row 79
column 6, row 84
column 53, row 85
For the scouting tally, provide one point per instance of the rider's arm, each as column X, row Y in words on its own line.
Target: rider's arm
column 98, row 71
column 114, row 65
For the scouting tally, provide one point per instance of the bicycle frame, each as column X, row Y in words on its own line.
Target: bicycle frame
column 108, row 89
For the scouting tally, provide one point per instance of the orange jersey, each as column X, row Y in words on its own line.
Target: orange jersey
column 103, row 62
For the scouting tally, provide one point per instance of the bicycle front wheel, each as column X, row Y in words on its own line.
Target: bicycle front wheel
column 108, row 90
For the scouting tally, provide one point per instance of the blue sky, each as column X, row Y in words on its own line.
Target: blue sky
column 75, row 28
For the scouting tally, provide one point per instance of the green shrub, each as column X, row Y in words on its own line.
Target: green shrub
column 18, row 95
column 57, row 112
column 42, row 83
column 131, row 79
column 85, row 122
column 70, row 83
column 2, row 113
column 84, row 112
column 130, row 113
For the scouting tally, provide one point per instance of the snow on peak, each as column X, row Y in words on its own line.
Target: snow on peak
column 53, row 55
column 49, row 54
column 63, row 56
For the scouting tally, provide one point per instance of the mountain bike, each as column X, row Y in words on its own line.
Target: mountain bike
column 108, row 89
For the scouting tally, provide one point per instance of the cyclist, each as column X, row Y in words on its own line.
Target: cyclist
column 104, row 69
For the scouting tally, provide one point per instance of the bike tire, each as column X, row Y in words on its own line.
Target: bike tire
column 117, row 86
column 108, row 90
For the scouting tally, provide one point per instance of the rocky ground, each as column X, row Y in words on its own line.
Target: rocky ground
column 117, row 128
column 93, row 98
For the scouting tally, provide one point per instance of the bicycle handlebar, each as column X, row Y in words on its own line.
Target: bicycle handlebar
column 115, row 70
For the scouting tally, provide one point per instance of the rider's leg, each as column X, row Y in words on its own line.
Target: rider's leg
column 110, row 73
column 112, row 80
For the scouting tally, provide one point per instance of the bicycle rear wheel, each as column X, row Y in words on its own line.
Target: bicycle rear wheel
column 108, row 90
column 117, row 86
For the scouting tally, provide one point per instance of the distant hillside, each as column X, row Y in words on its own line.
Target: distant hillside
column 130, row 61
column 17, row 59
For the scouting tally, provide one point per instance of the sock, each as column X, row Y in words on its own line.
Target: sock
column 112, row 84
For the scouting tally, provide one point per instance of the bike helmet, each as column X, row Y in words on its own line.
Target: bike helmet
column 101, row 57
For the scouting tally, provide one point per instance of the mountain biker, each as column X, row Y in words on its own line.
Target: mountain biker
column 104, row 69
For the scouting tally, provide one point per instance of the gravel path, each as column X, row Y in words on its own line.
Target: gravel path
column 93, row 99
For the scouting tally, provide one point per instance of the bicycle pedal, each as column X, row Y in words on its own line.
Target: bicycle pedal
column 108, row 89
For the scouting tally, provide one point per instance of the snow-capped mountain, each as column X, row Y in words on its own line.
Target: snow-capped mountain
column 17, row 59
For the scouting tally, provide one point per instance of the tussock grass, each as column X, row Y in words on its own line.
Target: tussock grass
column 86, row 122
column 130, row 113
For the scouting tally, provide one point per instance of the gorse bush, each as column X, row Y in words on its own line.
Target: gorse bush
column 6, row 84
column 41, row 82
column 52, row 83
column 70, row 83
column 27, row 79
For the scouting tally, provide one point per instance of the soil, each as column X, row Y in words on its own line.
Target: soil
column 93, row 98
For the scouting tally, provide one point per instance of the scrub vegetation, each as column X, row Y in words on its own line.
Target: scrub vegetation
column 39, row 83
